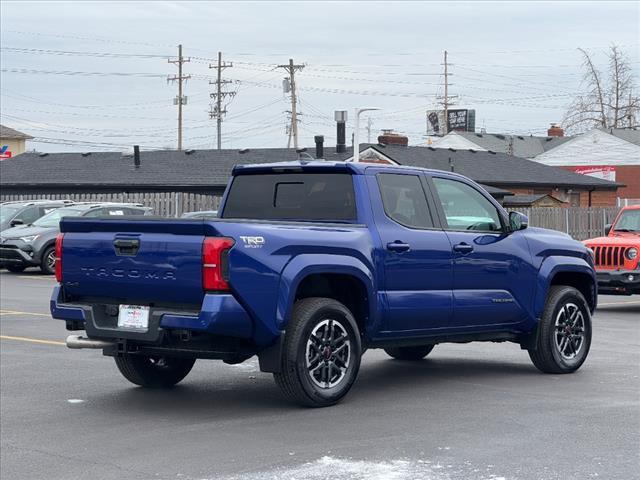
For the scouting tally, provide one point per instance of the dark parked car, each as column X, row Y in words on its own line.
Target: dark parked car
column 27, row 212
column 33, row 245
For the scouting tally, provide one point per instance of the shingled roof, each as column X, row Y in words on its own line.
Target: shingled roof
column 490, row 168
column 525, row 146
column 10, row 133
column 170, row 169
column 162, row 168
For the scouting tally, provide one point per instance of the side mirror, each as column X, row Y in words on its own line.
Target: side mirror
column 517, row 221
column 16, row 221
column 607, row 229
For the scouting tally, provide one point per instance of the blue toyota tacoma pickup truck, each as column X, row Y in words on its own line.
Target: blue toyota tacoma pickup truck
column 311, row 263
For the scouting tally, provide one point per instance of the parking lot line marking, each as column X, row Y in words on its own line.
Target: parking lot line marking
column 32, row 340
column 613, row 304
column 17, row 312
column 36, row 278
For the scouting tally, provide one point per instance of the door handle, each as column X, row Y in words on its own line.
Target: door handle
column 398, row 246
column 463, row 248
column 126, row 247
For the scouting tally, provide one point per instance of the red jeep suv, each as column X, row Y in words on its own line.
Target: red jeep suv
column 616, row 254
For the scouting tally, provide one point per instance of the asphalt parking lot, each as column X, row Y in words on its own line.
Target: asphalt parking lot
column 476, row 411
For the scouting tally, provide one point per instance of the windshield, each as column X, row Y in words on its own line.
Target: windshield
column 629, row 221
column 7, row 212
column 52, row 219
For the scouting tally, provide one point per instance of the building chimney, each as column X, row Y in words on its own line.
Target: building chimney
column 136, row 156
column 319, row 139
column 389, row 137
column 341, row 121
column 555, row 131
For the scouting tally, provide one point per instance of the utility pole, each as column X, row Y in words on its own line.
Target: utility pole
column 291, row 69
column 218, row 111
column 180, row 100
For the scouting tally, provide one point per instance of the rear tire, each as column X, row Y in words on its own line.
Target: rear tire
column 409, row 353
column 154, row 372
column 321, row 353
column 15, row 269
column 564, row 332
column 48, row 263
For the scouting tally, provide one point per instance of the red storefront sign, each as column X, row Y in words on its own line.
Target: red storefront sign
column 605, row 172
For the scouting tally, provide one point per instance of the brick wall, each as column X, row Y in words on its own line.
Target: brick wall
column 630, row 176
column 599, row 198
column 627, row 174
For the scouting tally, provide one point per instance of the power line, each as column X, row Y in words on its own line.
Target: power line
column 80, row 73
column 47, row 51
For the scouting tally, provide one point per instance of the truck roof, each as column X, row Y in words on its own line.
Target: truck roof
column 321, row 165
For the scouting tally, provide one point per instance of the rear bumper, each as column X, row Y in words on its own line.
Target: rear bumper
column 220, row 315
column 621, row 282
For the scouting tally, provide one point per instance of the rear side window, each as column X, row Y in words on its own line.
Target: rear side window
column 292, row 196
column 134, row 211
column 404, row 200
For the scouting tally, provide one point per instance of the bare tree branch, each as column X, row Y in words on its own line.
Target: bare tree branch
column 608, row 101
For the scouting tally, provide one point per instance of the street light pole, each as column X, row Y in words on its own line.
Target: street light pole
column 356, row 131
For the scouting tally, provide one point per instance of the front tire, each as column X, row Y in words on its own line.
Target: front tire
column 152, row 371
column 48, row 262
column 321, row 353
column 564, row 332
column 409, row 353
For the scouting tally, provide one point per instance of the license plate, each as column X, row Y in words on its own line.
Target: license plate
column 133, row 317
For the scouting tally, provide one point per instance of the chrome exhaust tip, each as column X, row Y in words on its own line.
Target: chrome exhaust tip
column 78, row 341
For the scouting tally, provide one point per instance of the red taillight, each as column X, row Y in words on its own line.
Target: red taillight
column 214, row 263
column 58, row 253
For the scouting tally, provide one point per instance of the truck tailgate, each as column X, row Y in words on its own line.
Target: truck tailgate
column 146, row 261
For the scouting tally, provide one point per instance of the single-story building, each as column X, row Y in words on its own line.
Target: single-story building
column 207, row 171
column 519, row 176
column 612, row 154
column 529, row 201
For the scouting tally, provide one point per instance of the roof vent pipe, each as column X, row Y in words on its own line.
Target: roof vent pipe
column 136, row 156
column 341, row 120
column 319, row 139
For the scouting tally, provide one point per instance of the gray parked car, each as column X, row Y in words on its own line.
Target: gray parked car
column 201, row 214
column 33, row 245
column 27, row 212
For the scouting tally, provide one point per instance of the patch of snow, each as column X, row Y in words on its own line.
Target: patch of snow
column 328, row 467
column 248, row 366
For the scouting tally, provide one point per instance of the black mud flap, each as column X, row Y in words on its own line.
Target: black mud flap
column 271, row 357
column 529, row 341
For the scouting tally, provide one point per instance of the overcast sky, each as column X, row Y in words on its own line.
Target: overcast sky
column 92, row 75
